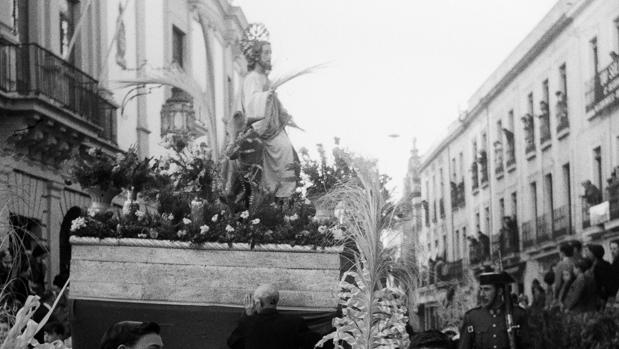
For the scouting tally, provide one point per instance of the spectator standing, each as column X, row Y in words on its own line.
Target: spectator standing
column 601, row 271
column 582, row 295
column 539, row 296
column 566, row 253
column 567, row 279
column 263, row 327
column 549, row 280
column 614, row 269
column 577, row 249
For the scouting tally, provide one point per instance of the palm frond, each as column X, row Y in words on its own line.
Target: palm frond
column 295, row 74
column 374, row 313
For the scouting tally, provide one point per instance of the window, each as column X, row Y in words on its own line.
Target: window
column 67, row 12
column 515, row 205
column 597, row 167
column 461, row 156
column 487, row 214
column 545, row 91
column 178, row 46
column 484, row 141
column 563, row 79
column 548, row 193
column 454, row 175
column 501, row 209
column 595, row 55
column 510, row 120
column 456, row 249
column 533, row 187
column 530, row 109
column 477, row 221
column 440, row 178
column 568, row 191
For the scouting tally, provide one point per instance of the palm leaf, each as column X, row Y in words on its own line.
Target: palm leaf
column 374, row 314
column 295, row 74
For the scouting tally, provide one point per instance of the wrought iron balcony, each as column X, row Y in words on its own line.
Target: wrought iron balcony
column 602, row 89
column 528, row 233
column 509, row 241
column 544, row 228
column 561, row 221
column 29, row 70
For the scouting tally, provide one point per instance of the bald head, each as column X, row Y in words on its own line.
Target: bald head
column 267, row 296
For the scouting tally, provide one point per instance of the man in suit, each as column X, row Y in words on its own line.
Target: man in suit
column 582, row 295
column 263, row 327
column 485, row 327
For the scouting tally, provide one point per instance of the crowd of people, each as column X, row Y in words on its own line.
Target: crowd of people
column 22, row 273
column 582, row 281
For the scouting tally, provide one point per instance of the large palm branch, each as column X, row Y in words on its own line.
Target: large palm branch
column 374, row 311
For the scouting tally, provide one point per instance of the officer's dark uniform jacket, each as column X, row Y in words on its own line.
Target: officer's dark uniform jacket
column 486, row 329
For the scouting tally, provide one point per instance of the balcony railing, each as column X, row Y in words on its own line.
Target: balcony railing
column 544, row 228
column 528, row 234
column 509, row 239
column 601, row 89
column 561, row 221
column 31, row 70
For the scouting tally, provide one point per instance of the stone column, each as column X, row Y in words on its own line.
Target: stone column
column 54, row 219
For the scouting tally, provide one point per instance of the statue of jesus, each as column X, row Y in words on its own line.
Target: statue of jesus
column 268, row 119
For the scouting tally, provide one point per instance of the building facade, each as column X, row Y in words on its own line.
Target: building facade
column 60, row 61
column 532, row 163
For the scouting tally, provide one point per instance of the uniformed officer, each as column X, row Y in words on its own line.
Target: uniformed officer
column 485, row 327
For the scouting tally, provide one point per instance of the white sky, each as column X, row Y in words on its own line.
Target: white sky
column 395, row 66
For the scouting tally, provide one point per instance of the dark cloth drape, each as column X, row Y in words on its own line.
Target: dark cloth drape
column 182, row 326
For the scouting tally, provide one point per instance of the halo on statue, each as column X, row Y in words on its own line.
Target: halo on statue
column 255, row 32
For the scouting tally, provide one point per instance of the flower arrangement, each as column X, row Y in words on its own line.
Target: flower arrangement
column 94, row 168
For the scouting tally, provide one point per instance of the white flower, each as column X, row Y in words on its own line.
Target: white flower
column 153, row 233
column 127, row 207
column 214, row 218
column 186, row 221
column 116, row 168
column 92, row 211
column 181, row 233
column 142, row 236
column 222, row 212
column 322, row 229
column 255, row 221
column 140, row 214
column 307, row 201
column 170, row 217
column 196, row 202
column 92, row 151
column 229, row 229
column 78, row 223
column 294, row 217
column 245, row 214
column 204, row 229
column 286, row 218
column 338, row 234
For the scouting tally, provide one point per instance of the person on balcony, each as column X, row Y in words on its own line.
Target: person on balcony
column 566, row 253
column 593, row 195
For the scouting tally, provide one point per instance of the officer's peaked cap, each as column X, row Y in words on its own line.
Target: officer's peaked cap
column 494, row 278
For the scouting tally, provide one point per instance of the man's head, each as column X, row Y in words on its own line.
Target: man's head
column 582, row 265
column 595, row 251
column 266, row 297
column 132, row 335
column 491, row 288
column 614, row 249
column 53, row 331
column 577, row 247
column 259, row 55
column 566, row 250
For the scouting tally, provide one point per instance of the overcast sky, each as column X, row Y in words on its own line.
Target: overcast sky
column 401, row 67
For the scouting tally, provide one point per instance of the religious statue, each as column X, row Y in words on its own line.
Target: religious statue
column 561, row 107
column 528, row 132
column 544, row 124
column 263, row 119
column 498, row 156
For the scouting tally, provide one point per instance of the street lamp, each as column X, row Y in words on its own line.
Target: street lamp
column 177, row 114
